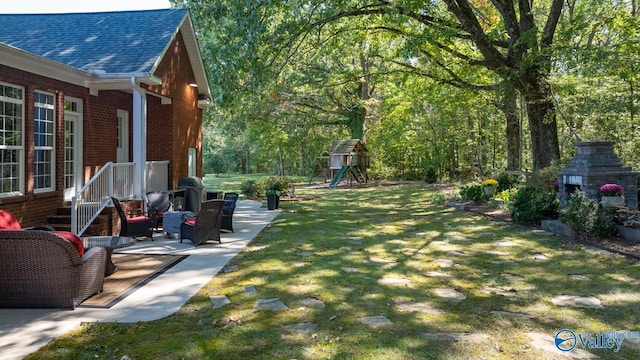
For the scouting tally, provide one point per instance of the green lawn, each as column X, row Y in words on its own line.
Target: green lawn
column 365, row 252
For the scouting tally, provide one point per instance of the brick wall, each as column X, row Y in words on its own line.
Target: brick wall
column 171, row 128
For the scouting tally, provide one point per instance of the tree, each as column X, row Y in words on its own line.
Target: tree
column 510, row 40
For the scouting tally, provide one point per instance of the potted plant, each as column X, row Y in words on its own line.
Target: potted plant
column 490, row 186
column 271, row 199
column 612, row 194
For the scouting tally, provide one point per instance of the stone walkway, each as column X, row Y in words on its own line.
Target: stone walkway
column 543, row 342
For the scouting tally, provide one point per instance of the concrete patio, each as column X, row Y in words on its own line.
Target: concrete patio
column 23, row 331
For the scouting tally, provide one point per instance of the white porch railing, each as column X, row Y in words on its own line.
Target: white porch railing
column 113, row 179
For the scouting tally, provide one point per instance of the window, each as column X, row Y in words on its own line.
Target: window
column 11, row 139
column 43, row 157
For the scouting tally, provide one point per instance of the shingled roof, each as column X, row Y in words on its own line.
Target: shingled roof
column 346, row 146
column 113, row 42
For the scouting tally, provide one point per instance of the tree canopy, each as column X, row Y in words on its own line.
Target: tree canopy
column 448, row 83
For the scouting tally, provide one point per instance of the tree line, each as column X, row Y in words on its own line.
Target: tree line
column 458, row 86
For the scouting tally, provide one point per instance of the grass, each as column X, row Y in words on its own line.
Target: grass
column 340, row 248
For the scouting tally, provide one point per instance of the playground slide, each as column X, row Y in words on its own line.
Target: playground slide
column 338, row 177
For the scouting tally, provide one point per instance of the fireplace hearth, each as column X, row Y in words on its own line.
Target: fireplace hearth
column 594, row 165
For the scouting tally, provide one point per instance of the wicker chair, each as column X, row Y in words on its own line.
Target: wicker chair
column 205, row 225
column 135, row 226
column 39, row 269
column 227, row 211
column 158, row 203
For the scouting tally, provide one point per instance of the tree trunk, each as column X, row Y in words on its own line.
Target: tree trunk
column 542, row 123
column 514, row 135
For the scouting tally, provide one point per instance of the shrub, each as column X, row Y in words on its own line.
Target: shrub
column 584, row 216
column 473, row 193
column 506, row 195
column 507, row 181
column 250, row 188
column 533, row 204
column 544, row 178
column 430, row 175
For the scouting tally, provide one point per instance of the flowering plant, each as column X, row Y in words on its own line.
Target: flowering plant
column 275, row 185
column 490, row 182
column 611, row 190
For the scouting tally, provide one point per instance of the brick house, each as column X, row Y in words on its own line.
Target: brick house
column 79, row 91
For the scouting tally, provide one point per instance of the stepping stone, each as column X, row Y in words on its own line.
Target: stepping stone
column 395, row 282
column 450, row 294
column 350, row 269
column 305, row 253
column 278, row 221
column 511, row 314
column 301, row 263
column 632, row 342
column 275, row 229
column 494, row 290
column 407, row 306
column 421, row 233
column 597, row 251
column 382, row 261
column 444, row 263
column 230, row 268
column 505, row 243
column 250, row 289
column 457, row 337
column 459, row 238
column 313, row 303
column 547, row 344
column 511, row 277
column 439, row 275
column 219, row 301
column 398, row 242
column 577, row 301
column 457, row 253
column 270, row 304
column 540, row 257
column 579, row 277
column 355, row 238
column 439, row 243
column 376, row 321
column 505, row 262
column 301, row 328
column 493, row 252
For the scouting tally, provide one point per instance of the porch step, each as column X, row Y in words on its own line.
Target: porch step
column 62, row 221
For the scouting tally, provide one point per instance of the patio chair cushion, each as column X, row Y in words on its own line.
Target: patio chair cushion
column 73, row 239
column 138, row 219
column 8, row 221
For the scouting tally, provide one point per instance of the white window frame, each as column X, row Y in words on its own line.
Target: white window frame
column 19, row 147
column 49, row 148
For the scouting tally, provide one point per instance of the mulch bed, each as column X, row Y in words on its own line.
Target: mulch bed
column 615, row 245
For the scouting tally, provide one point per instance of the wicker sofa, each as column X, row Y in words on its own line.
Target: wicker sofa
column 39, row 269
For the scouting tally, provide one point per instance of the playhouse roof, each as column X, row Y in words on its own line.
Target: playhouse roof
column 347, row 146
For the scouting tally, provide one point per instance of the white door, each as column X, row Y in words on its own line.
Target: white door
column 72, row 146
column 122, row 152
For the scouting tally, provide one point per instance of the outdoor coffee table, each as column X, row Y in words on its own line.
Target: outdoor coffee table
column 109, row 243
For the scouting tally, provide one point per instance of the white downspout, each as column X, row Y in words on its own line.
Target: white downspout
column 139, row 139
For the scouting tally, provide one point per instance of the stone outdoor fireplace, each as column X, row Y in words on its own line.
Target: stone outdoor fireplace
column 594, row 165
